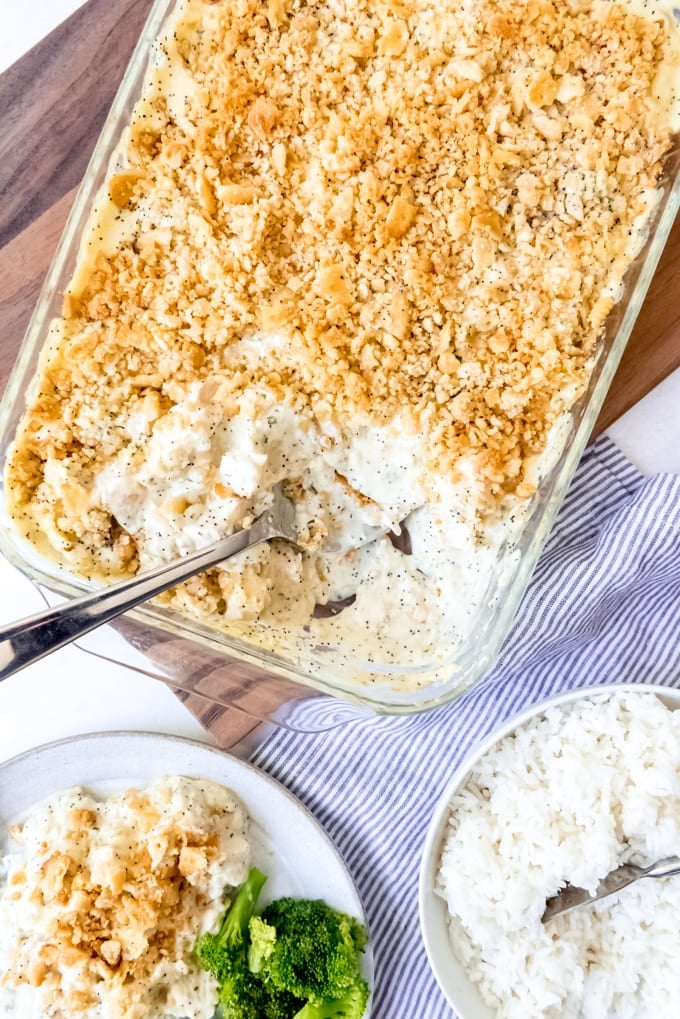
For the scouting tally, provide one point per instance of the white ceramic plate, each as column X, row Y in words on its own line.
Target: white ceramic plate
column 461, row 994
column 288, row 844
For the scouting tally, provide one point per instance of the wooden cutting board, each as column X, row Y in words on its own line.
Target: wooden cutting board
column 53, row 103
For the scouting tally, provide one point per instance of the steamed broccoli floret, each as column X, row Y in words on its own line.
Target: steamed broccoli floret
column 299, row 960
column 314, row 954
column 279, row 1004
column 225, row 955
column 224, row 952
column 352, row 1005
column 262, row 940
column 242, row 996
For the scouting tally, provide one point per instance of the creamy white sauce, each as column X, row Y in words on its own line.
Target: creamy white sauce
column 666, row 92
column 171, row 987
column 168, row 489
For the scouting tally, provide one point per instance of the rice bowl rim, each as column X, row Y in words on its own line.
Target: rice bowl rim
column 461, row 994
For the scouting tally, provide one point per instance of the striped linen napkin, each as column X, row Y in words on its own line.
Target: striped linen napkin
column 603, row 606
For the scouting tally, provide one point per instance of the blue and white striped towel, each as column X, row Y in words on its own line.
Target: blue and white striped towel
column 603, row 606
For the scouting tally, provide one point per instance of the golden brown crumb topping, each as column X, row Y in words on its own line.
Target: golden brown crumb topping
column 433, row 203
column 108, row 903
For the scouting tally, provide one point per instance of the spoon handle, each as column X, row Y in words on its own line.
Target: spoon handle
column 31, row 639
column 664, row 868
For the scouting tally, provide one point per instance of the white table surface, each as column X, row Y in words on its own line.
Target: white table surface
column 71, row 692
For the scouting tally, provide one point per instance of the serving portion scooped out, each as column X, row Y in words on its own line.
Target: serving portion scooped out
column 369, row 247
column 143, row 902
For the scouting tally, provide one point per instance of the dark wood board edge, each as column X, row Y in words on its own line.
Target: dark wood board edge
column 644, row 366
column 53, row 104
column 23, row 266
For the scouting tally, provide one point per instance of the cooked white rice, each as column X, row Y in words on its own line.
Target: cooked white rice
column 567, row 798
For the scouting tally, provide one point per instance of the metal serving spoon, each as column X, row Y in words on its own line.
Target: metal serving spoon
column 570, row 897
column 33, row 638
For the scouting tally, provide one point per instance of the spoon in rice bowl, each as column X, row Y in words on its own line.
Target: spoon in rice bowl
column 569, row 897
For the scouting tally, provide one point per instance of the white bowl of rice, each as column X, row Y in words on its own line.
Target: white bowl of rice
column 563, row 793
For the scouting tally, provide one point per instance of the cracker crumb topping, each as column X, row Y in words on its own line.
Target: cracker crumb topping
column 105, row 911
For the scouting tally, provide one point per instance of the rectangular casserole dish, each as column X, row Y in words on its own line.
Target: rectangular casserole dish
column 387, row 688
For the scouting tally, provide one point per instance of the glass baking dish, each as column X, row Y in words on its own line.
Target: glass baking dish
column 202, row 662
